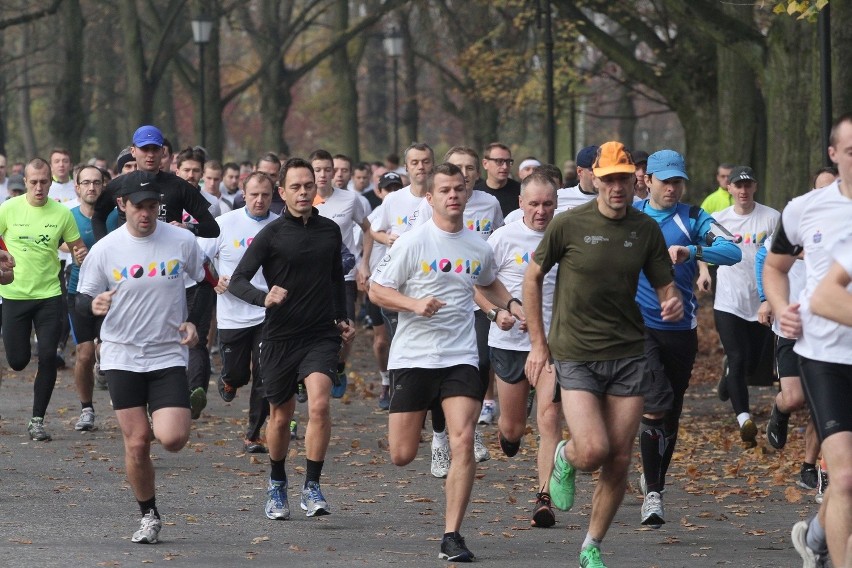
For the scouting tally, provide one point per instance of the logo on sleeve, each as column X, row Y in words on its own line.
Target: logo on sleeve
column 817, row 237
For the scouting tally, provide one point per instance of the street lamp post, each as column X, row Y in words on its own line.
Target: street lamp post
column 202, row 26
column 393, row 49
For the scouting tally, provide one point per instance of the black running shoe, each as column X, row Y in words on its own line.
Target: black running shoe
column 722, row 385
column 543, row 516
column 509, row 448
column 808, row 477
column 226, row 391
column 454, row 549
column 776, row 430
column 301, row 393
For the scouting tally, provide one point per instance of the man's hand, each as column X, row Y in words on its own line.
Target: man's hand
column 517, row 311
column 347, row 331
column 275, row 297
column 189, row 335
column 790, row 321
column 672, row 309
column 678, row 254
column 7, row 261
column 102, row 302
column 362, row 277
column 764, row 314
column 391, row 238
column 703, row 282
column 428, row 306
column 537, row 361
column 505, row 320
column 80, row 254
column 222, row 285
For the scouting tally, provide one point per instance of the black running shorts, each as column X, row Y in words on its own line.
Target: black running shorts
column 283, row 364
column 414, row 390
column 508, row 365
column 163, row 388
column 828, row 389
column 786, row 360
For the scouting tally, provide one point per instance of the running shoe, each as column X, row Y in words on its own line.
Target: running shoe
column 509, row 448
column 822, row 484
column 440, row 460
column 86, row 423
column 590, row 557
column 530, row 401
column 301, row 393
column 277, row 506
column 543, row 516
column 776, row 430
column 36, row 430
column 254, row 447
column 149, row 529
column 197, row 402
column 226, row 391
column 748, row 433
column 454, row 549
column 652, row 510
column 480, row 452
column 313, row 502
column 486, row 416
column 808, row 477
column 562, row 480
column 338, row 389
column 294, row 430
column 384, row 399
column 810, row 558
column 60, row 360
column 722, row 385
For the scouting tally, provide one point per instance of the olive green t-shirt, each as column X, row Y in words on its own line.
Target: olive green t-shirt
column 595, row 316
column 33, row 235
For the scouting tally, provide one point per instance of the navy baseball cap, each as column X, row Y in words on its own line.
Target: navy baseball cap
column 586, row 157
column 138, row 186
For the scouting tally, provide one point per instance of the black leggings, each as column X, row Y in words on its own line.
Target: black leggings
column 744, row 342
column 19, row 318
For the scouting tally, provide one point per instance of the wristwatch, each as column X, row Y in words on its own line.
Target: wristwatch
column 699, row 252
column 492, row 313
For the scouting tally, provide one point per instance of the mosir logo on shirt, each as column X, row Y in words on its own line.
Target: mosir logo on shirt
column 169, row 269
column 480, row 225
column 459, row 266
column 750, row 238
column 523, row 258
column 243, row 243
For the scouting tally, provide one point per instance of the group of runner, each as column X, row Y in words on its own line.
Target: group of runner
column 581, row 299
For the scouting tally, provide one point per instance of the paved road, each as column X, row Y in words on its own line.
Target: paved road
column 65, row 503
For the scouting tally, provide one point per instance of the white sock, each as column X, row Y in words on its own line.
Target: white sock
column 591, row 540
column 440, row 438
column 490, row 403
column 385, row 378
column 742, row 417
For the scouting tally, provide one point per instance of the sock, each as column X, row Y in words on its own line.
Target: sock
column 452, row 534
column 489, row 403
column 385, row 378
column 313, row 470
column 652, row 446
column 816, row 537
column 439, row 421
column 149, row 505
column 277, row 473
column 671, row 441
column 341, row 367
column 806, row 465
column 590, row 540
column 742, row 417
column 440, row 439
column 86, row 405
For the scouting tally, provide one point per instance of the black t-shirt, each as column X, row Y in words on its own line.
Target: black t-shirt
column 178, row 195
column 507, row 195
column 373, row 199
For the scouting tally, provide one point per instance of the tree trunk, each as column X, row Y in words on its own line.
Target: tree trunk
column 344, row 75
column 410, row 108
column 69, row 118
column 841, row 56
column 28, row 140
column 139, row 91
column 106, row 106
column 376, row 98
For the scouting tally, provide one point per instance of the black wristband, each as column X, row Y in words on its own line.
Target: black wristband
column 509, row 304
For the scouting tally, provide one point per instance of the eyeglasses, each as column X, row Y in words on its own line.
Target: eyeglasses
column 93, row 183
column 501, row 161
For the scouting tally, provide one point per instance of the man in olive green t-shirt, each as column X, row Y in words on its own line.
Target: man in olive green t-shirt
column 33, row 226
column 597, row 333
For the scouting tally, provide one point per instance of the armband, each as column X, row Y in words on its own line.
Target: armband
column 510, row 302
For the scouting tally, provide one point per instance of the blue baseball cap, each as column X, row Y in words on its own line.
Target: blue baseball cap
column 666, row 164
column 147, row 135
column 586, row 157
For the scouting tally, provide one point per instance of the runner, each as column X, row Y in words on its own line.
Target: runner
column 428, row 276
column 300, row 255
column 134, row 278
column 597, row 333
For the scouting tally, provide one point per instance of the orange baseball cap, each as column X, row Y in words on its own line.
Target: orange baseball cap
column 613, row 158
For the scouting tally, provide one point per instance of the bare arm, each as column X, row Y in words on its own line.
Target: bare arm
column 539, row 357
column 393, row 299
column 831, row 300
column 671, row 304
column 776, row 287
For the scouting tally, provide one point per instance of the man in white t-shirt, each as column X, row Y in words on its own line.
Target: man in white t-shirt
column 4, row 181
column 62, row 189
column 239, row 323
column 584, row 191
column 428, row 276
column 134, row 277
column 400, row 208
column 513, row 246
column 812, row 223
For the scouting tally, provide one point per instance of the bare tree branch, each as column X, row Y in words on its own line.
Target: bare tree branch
column 32, row 16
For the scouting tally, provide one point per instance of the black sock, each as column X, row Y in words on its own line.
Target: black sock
column 341, row 367
column 149, row 505
column 652, row 447
column 86, row 405
column 277, row 472
column 313, row 470
column 439, row 421
column 806, row 465
column 452, row 534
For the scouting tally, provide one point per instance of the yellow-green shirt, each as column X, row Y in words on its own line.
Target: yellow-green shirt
column 33, row 235
column 718, row 200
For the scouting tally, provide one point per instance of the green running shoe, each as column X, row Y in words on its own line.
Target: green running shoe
column 562, row 481
column 590, row 557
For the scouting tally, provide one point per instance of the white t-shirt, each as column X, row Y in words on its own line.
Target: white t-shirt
column 482, row 214
column 64, row 193
column 514, row 245
column 797, row 279
column 815, row 221
column 736, row 286
column 379, row 250
column 566, row 198
column 346, row 209
column 237, row 230
column 428, row 261
column 399, row 212
column 140, row 331
column 215, row 209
